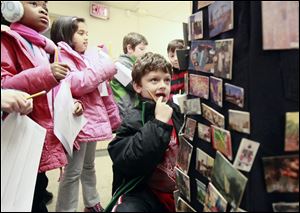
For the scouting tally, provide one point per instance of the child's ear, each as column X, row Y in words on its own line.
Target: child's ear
column 137, row 88
column 12, row 11
column 129, row 49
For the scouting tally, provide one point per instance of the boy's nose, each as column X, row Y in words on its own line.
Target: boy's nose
column 162, row 84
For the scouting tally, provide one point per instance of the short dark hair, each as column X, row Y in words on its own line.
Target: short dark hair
column 175, row 44
column 64, row 28
column 147, row 63
column 133, row 39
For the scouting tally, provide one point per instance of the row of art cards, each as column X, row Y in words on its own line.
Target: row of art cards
column 281, row 172
column 220, row 18
column 243, row 160
column 226, row 182
column 203, row 87
column 280, row 22
column 238, row 120
column 213, row 201
column 221, row 141
column 212, row 57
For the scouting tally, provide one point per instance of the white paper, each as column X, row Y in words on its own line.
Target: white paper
column 22, row 142
column 102, row 88
column 103, row 54
column 66, row 125
column 123, row 74
column 179, row 99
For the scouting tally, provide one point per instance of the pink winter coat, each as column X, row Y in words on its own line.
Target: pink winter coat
column 20, row 71
column 87, row 72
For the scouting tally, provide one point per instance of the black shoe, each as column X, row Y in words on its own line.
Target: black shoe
column 48, row 196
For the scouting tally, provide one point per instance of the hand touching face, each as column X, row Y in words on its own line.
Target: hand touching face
column 163, row 111
column 156, row 82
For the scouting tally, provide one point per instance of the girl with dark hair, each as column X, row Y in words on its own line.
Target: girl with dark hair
column 88, row 71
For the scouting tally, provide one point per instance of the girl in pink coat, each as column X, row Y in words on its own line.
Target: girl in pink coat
column 88, row 73
column 25, row 66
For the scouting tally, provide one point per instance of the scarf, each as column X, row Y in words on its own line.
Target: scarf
column 34, row 37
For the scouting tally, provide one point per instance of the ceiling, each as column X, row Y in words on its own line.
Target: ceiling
column 169, row 10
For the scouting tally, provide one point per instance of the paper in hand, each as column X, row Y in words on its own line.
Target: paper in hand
column 123, row 75
column 22, row 142
column 66, row 125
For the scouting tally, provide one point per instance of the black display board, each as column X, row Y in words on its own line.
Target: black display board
column 270, row 79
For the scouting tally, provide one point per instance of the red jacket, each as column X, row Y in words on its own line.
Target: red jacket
column 177, row 82
column 20, row 71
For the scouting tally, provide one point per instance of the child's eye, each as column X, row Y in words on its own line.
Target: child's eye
column 154, row 80
column 33, row 3
column 81, row 33
column 168, row 80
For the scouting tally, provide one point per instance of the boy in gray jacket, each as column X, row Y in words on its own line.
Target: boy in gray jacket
column 134, row 45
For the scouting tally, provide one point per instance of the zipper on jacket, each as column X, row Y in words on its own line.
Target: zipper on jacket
column 143, row 113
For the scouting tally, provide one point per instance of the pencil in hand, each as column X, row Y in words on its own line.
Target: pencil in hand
column 36, row 94
column 56, row 59
column 152, row 96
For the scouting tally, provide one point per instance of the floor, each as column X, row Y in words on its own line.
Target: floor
column 104, row 179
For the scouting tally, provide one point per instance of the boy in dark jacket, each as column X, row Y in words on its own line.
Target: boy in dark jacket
column 147, row 142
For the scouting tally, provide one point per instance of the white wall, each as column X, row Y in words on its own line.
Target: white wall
column 159, row 33
column 111, row 32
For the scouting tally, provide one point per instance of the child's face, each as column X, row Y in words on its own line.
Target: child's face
column 173, row 59
column 156, row 82
column 35, row 15
column 80, row 38
column 138, row 51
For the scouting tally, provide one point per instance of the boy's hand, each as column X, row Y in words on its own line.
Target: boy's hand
column 59, row 70
column 163, row 112
column 78, row 109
